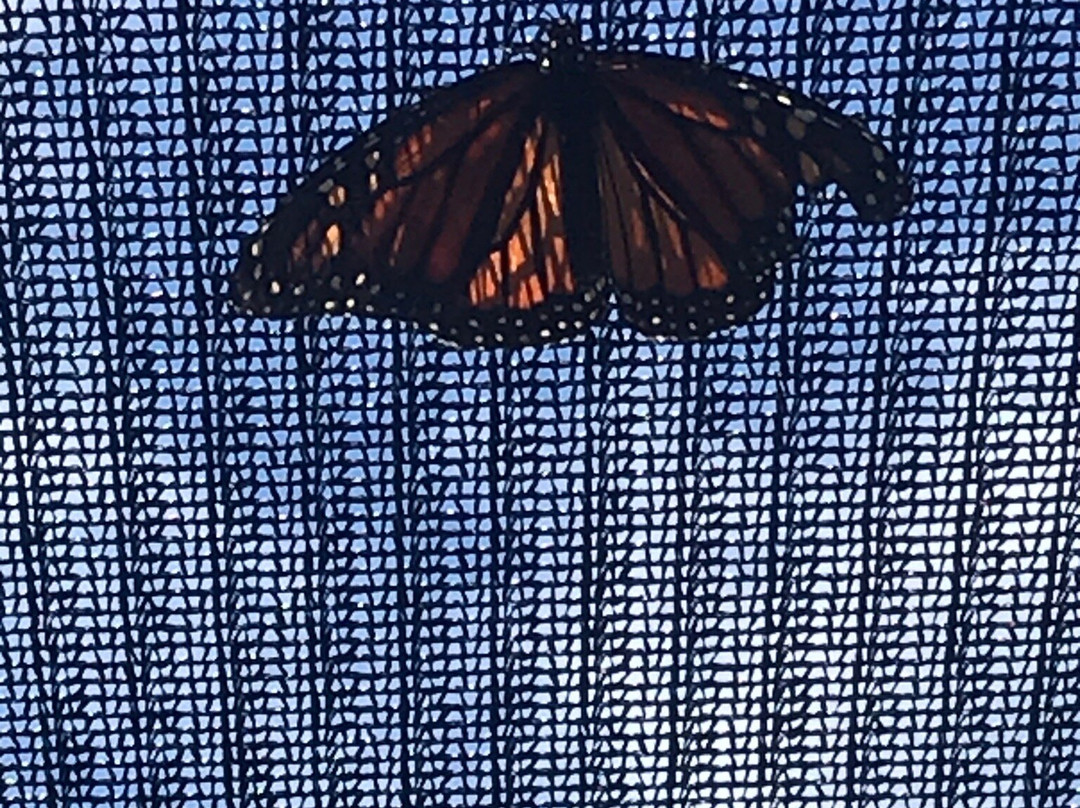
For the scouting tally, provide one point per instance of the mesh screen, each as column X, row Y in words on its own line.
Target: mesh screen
column 826, row 559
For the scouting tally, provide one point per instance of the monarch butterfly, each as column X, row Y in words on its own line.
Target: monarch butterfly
column 505, row 209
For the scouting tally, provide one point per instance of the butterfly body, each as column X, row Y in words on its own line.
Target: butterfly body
column 569, row 102
column 507, row 209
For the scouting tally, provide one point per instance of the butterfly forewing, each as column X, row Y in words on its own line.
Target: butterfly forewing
column 390, row 211
column 695, row 213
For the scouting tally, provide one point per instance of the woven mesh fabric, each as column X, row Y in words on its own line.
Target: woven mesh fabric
column 827, row 559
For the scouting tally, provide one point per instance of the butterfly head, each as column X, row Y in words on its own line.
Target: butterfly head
column 559, row 47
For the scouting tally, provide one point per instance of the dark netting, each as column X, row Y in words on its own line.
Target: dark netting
column 827, row 559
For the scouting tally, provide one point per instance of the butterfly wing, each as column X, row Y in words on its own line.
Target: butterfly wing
column 697, row 170
column 450, row 214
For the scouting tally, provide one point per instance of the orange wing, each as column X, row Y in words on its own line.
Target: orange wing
column 454, row 214
column 526, row 278
column 452, row 217
column 698, row 171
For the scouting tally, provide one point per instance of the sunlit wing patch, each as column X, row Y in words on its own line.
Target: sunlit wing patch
column 419, row 229
column 675, row 275
column 810, row 142
column 524, row 289
column 388, row 212
column 529, row 262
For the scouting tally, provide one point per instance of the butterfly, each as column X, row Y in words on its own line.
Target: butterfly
column 512, row 207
